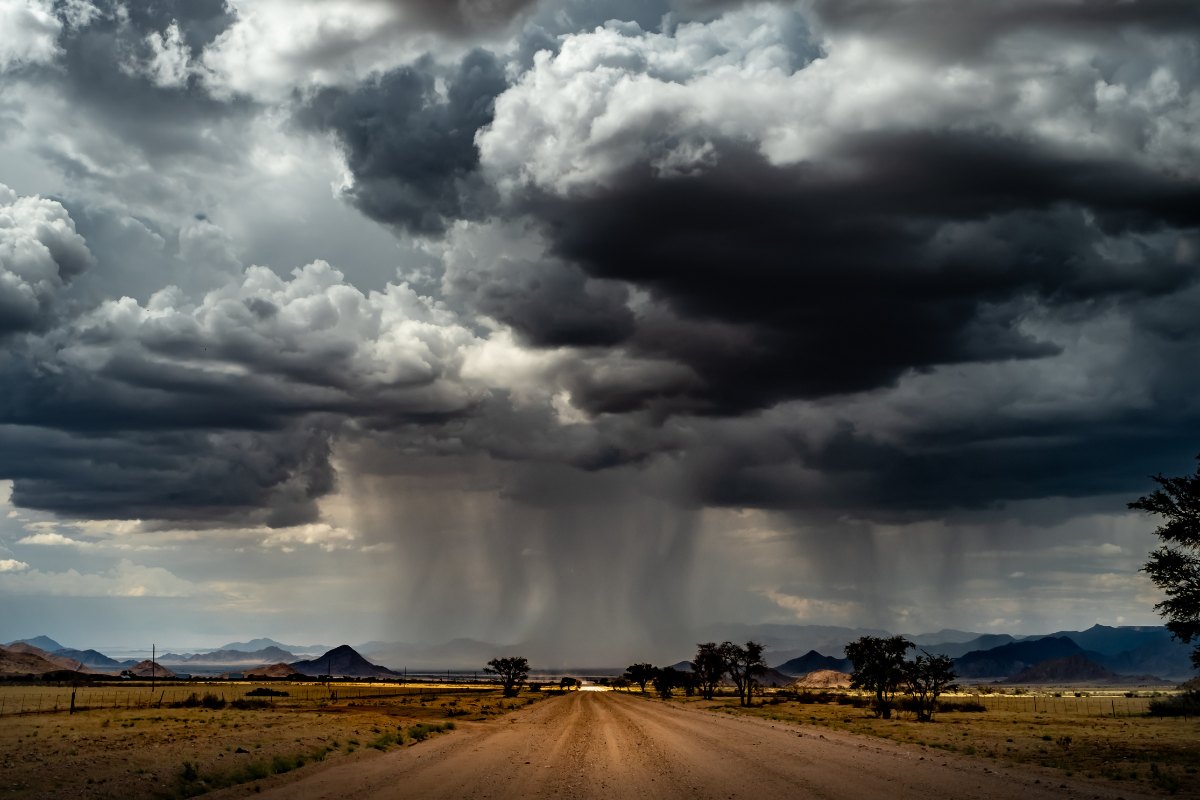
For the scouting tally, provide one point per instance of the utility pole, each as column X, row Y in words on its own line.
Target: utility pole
column 153, row 656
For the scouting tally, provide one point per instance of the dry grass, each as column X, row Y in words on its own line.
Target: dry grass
column 157, row 751
column 1103, row 737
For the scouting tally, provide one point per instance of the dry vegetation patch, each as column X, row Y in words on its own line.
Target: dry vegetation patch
column 187, row 740
column 1108, row 738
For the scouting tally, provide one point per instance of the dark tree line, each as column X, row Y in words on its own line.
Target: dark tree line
column 743, row 664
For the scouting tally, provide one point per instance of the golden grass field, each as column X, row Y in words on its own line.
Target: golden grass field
column 1101, row 735
column 132, row 744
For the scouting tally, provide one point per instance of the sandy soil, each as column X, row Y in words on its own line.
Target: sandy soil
column 601, row 744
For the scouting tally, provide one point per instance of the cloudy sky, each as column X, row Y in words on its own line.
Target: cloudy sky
column 588, row 321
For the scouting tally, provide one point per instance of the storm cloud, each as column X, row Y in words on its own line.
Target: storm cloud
column 822, row 266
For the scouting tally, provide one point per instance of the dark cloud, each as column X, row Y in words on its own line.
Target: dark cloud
column 236, row 477
column 411, row 150
column 107, row 69
column 464, row 16
column 903, row 252
column 959, row 29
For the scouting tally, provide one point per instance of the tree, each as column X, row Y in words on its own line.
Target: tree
column 665, row 680
column 640, row 674
column 927, row 676
column 1175, row 566
column 511, row 671
column 743, row 664
column 879, row 668
column 709, row 666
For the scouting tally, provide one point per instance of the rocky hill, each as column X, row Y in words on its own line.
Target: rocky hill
column 15, row 662
column 813, row 661
column 271, row 671
column 823, row 679
column 148, row 668
column 343, row 661
column 59, row 662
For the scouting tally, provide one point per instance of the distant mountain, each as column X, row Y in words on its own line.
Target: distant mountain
column 1166, row 658
column 1010, row 659
column 58, row 661
column 267, row 655
column 41, row 643
column 1111, row 641
column 254, row 645
column 944, row 636
column 957, row 649
column 343, row 661
column 775, row 679
column 1072, row 669
column 785, row 642
column 682, row 666
column 813, row 661
column 91, row 658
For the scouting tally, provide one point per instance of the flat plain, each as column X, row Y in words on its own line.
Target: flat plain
column 459, row 741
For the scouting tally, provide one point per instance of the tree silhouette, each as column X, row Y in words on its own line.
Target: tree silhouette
column 641, row 674
column 511, row 671
column 879, row 668
column 927, row 676
column 743, row 664
column 709, row 666
column 666, row 680
column 1175, row 566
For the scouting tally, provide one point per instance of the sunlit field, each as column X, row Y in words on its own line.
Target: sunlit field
column 1102, row 735
column 180, row 740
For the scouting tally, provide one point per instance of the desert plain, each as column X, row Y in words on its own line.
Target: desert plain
column 390, row 741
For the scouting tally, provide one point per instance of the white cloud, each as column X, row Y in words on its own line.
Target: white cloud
column 620, row 96
column 40, row 252
column 170, row 63
column 276, row 46
column 126, row 579
column 12, row 565
column 46, row 539
column 28, row 32
column 326, row 339
column 327, row 537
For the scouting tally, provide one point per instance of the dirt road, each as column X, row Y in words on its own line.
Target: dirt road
column 610, row 745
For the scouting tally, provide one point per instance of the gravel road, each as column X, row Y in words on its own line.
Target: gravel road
column 611, row 745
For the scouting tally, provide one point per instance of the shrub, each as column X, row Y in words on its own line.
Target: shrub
column 243, row 704
column 1181, row 705
column 263, row 691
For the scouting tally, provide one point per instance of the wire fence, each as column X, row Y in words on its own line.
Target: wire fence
column 67, row 699
column 1083, row 706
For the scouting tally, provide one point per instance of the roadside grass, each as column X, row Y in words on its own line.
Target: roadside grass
column 1156, row 754
column 203, row 737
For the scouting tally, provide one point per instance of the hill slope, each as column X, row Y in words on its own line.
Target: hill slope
column 1009, row 659
column 813, row 661
column 19, row 663
column 342, row 661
